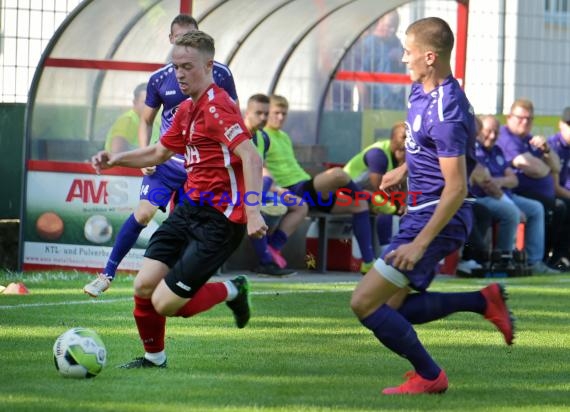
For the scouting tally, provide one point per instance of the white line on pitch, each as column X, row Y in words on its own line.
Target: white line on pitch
column 93, row 301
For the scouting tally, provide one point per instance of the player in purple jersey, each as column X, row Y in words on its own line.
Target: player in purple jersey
column 159, row 182
column 560, row 143
column 439, row 157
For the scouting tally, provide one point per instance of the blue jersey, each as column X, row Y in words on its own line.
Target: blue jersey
column 440, row 123
column 559, row 145
column 162, row 89
column 494, row 160
column 513, row 146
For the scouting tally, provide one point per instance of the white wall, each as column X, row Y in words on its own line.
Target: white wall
column 536, row 57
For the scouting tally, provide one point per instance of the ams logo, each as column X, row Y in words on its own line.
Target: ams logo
column 114, row 192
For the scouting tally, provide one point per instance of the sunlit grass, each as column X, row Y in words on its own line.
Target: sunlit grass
column 303, row 351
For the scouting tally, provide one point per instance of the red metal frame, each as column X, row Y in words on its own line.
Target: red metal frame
column 461, row 40
column 81, row 168
column 186, row 7
column 102, row 64
column 394, row 78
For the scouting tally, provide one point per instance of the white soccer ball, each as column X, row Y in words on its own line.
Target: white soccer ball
column 79, row 353
column 98, row 229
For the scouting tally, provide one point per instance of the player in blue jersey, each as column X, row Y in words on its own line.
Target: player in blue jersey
column 440, row 155
column 159, row 182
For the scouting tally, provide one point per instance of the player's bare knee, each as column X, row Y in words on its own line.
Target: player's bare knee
column 143, row 288
column 339, row 176
column 144, row 213
column 162, row 308
column 359, row 305
column 143, row 218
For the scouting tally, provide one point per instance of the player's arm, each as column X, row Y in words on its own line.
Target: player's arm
column 251, row 163
column 560, row 190
column 142, row 157
column 550, row 157
column 394, row 178
column 509, row 180
column 530, row 165
column 145, row 127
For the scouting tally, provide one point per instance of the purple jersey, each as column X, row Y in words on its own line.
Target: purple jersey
column 512, row 146
column 162, row 89
column 494, row 160
column 440, row 123
column 559, row 145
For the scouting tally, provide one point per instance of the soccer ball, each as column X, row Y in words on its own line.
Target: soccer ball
column 79, row 353
column 98, row 230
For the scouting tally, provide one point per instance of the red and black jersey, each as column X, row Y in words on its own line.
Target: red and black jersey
column 206, row 133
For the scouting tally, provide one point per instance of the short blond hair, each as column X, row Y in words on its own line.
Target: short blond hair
column 198, row 40
column 523, row 103
column 279, row 101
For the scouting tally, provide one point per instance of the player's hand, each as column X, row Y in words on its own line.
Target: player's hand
column 404, row 257
column 393, row 180
column 539, row 142
column 491, row 188
column 101, row 161
column 147, row 171
column 291, row 198
column 256, row 227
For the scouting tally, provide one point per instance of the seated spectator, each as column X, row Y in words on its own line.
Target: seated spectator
column 560, row 143
column 282, row 220
column 124, row 135
column 368, row 167
column 534, row 164
column 476, row 252
column 318, row 192
column 494, row 180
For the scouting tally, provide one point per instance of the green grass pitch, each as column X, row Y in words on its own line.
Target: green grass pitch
column 302, row 351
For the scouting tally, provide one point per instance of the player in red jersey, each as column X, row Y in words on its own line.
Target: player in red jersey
column 208, row 223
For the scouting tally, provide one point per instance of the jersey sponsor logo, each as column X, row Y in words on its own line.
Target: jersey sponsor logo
column 170, row 92
column 233, row 131
column 183, row 286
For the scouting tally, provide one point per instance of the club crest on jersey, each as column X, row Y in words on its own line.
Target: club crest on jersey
column 233, row 131
column 410, row 143
column 500, row 160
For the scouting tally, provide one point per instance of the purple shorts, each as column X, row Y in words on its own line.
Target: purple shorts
column 169, row 176
column 451, row 238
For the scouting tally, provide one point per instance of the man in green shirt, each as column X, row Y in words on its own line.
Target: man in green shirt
column 286, row 219
column 123, row 135
column 369, row 166
column 320, row 192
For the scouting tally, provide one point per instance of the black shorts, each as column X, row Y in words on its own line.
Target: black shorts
column 316, row 202
column 194, row 241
